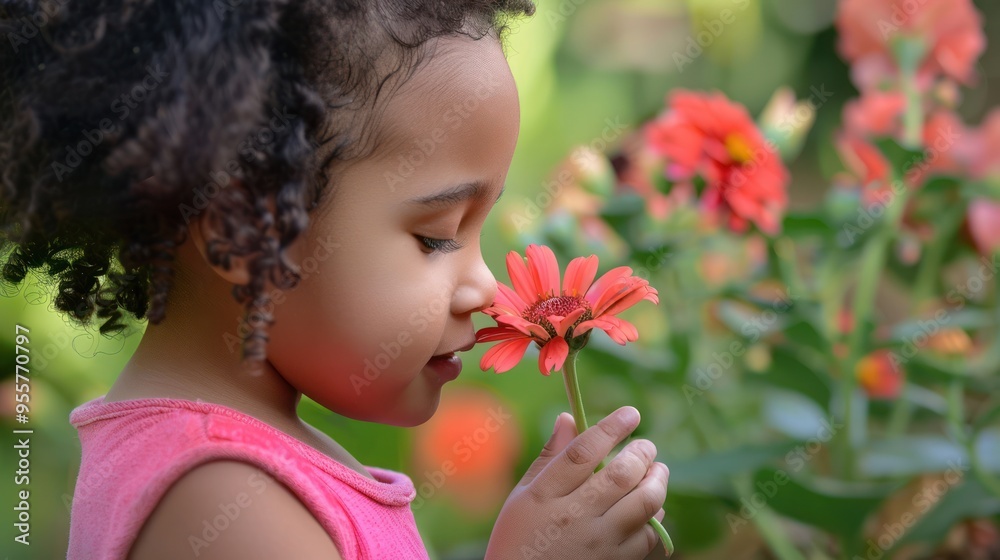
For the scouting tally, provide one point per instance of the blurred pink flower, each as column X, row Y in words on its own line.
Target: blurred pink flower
column 952, row 31
column 708, row 136
column 875, row 113
column 979, row 147
column 538, row 309
column 984, row 224
column 878, row 114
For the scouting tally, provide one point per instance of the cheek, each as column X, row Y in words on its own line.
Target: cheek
column 356, row 311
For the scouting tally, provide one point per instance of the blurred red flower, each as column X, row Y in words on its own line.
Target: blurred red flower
column 467, row 450
column 879, row 114
column 708, row 136
column 951, row 29
column 879, row 376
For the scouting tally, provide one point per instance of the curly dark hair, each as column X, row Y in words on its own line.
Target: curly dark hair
column 121, row 120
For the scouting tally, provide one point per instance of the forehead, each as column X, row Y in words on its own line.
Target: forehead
column 461, row 83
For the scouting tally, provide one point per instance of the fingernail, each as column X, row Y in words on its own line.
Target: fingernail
column 630, row 415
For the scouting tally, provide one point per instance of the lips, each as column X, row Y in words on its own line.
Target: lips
column 447, row 366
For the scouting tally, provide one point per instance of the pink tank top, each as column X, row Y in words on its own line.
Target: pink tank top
column 134, row 450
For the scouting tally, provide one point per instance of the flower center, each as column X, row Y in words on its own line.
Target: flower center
column 562, row 306
column 739, row 149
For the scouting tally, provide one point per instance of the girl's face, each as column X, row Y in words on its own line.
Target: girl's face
column 391, row 264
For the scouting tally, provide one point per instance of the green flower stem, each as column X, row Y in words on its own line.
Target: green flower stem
column 872, row 262
column 956, row 424
column 909, row 53
column 580, row 417
column 768, row 523
column 930, row 265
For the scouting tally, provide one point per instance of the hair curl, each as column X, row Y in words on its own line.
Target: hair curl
column 121, row 120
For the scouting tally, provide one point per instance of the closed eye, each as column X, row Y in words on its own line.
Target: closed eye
column 439, row 245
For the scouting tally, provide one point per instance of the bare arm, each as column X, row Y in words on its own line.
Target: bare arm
column 228, row 510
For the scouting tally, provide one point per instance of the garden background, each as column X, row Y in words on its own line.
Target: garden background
column 821, row 378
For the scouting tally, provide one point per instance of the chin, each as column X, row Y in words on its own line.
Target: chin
column 412, row 417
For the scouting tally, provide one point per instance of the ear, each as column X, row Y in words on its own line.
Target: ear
column 238, row 273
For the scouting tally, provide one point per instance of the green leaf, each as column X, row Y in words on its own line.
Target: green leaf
column 796, row 416
column 918, row 454
column 713, row 472
column 944, row 510
column 694, row 521
column 620, row 210
column 832, row 505
column 788, row 372
column 902, row 159
column 910, row 455
column 803, row 225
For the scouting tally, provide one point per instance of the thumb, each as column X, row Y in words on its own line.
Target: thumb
column 562, row 433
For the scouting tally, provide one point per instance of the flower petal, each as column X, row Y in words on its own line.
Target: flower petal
column 493, row 334
column 520, row 278
column 619, row 330
column 508, row 300
column 580, row 275
column 504, row 356
column 605, row 282
column 633, row 293
column 553, row 355
column 562, row 324
column 525, row 326
column 652, row 295
column 544, row 269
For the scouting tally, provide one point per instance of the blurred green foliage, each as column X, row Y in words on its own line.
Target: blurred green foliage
column 584, row 68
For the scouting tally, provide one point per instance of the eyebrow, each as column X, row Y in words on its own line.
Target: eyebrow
column 455, row 195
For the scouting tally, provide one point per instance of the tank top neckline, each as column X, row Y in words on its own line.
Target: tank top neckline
column 388, row 486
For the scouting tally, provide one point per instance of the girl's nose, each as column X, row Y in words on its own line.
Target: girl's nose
column 477, row 290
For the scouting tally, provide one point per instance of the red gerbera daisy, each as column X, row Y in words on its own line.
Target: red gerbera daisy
column 558, row 316
column 709, row 136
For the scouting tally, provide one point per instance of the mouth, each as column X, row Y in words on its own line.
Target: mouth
column 448, row 366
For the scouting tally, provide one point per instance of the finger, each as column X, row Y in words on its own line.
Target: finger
column 640, row 543
column 639, row 506
column 563, row 432
column 575, row 464
column 621, row 476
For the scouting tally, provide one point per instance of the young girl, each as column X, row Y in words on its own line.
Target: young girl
column 307, row 182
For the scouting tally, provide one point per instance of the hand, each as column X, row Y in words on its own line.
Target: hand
column 561, row 508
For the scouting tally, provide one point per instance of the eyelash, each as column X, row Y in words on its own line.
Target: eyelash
column 439, row 245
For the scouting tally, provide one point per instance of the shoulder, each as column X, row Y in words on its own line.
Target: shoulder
column 227, row 510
